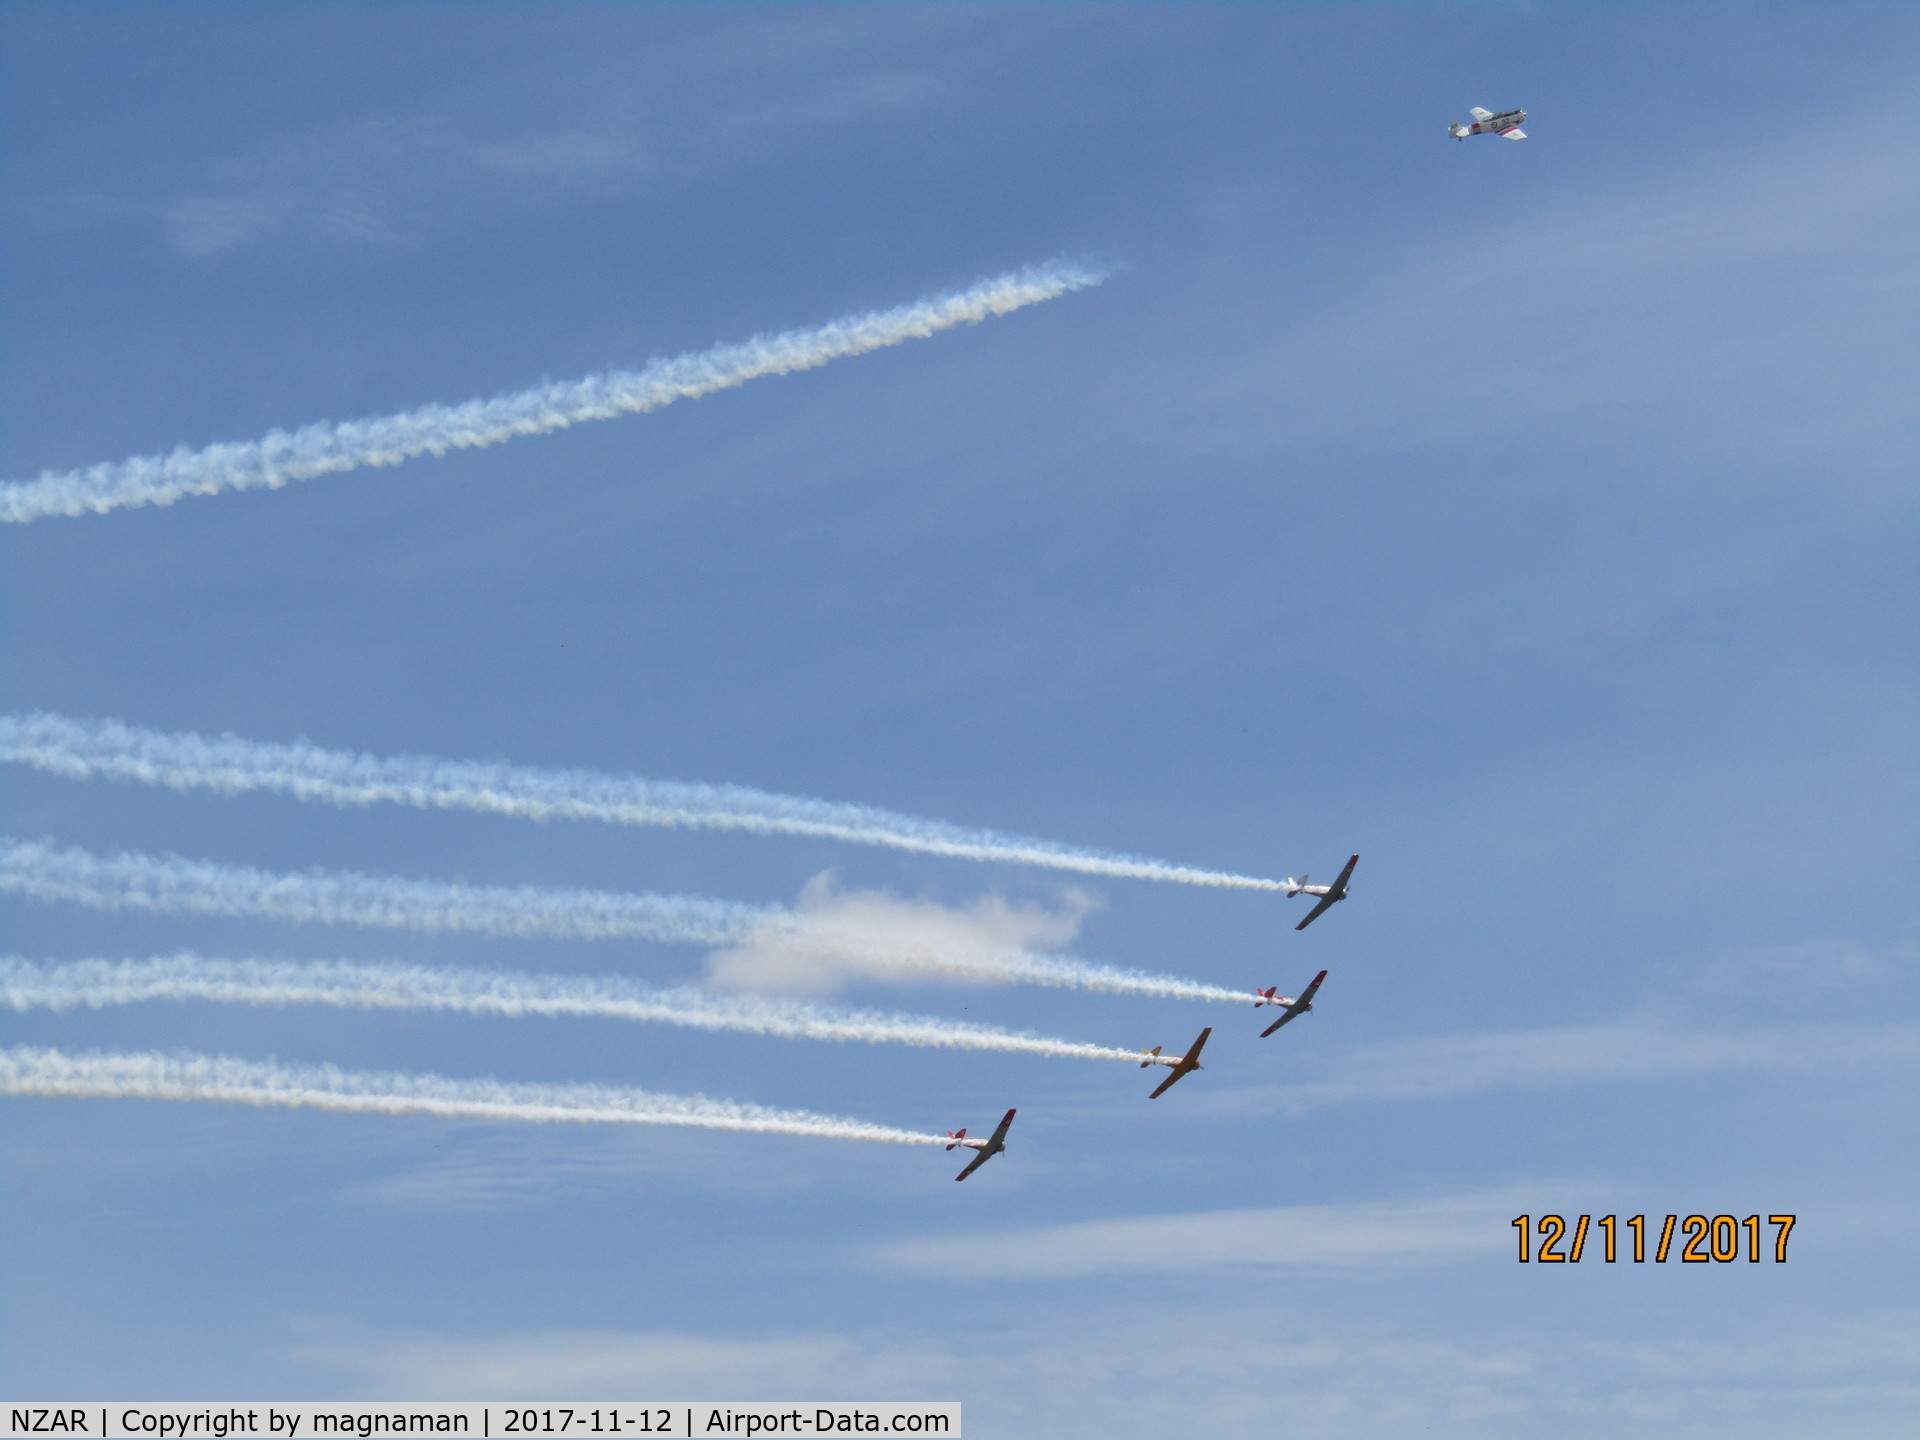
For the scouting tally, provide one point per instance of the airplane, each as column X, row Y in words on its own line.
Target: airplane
column 1180, row 1064
column 1506, row 125
column 988, row 1148
column 1294, row 1007
column 1329, row 894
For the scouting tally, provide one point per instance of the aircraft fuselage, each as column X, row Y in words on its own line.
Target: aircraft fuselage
column 1493, row 125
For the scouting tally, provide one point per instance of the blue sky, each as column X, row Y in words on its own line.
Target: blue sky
column 1536, row 519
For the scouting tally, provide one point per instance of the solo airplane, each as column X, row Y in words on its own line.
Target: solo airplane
column 1329, row 894
column 988, row 1148
column 1299, row 1006
column 1506, row 124
column 1180, row 1064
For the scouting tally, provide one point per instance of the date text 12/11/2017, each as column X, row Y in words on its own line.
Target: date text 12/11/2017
column 1703, row 1238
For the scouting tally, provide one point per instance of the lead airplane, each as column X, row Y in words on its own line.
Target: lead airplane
column 1295, row 1007
column 1329, row 894
column 1182, row 1065
column 988, row 1148
column 1506, row 124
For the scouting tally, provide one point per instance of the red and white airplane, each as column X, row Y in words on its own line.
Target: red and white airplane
column 1506, row 124
column 1299, row 1006
column 1181, row 1065
column 988, row 1148
column 1329, row 894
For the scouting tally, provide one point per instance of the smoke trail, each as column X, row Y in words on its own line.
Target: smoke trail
column 1061, row 972
column 229, row 765
column 96, row 983
column 326, row 448
column 150, row 1076
column 171, row 885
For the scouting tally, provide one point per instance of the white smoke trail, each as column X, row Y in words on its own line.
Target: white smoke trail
column 151, row 1076
column 326, row 448
column 108, row 749
column 25, row 985
column 172, row 885
column 1060, row 972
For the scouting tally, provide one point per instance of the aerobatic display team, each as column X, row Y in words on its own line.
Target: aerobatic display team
column 84, row 749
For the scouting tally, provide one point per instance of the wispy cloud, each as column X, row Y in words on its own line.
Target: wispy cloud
column 1214, row 1369
column 483, row 1169
column 228, row 765
column 1447, row 1066
column 1777, row 974
column 327, row 448
column 361, row 182
column 1397, row 1233
column 645, row 106
column 638, row 1362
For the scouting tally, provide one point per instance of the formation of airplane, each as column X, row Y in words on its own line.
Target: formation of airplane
column 1506, row 124
column 988, row 1148
column 1330, row 895
column 1182, row 1065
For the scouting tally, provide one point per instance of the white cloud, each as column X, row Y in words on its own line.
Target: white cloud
column 834, row 937
column 561, row 1364
column 479, row 1170
column 1216, row 1372
column 490, row 1169
column 1785, row 974
column 1371, row 1233
column 654, row 103
column 1528, row 1059
column 366, row 181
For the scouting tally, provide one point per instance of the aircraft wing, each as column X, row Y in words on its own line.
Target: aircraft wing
column 1477, row 113
column 1000, row 1130
column 975, row 1163
column 1326, row 903
column 1513, row 132
column 1340, row 882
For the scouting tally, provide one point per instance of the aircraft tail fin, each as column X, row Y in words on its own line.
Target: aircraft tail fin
column 956, row 1136
column 1152, row 1055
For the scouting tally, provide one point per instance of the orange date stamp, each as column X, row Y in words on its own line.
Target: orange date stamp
column 1703, row 1238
